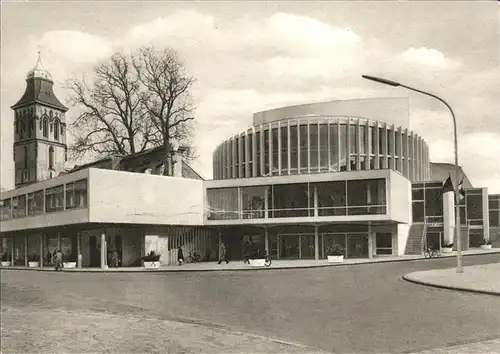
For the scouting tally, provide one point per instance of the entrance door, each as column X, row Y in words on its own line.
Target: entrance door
column 95, row 253
column 289, row 246
column 383, row 242
column 357, row 246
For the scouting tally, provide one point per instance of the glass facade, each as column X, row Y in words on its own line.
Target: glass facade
column 336, row 198
column 46, row 200
column 494, row 210
column 321, row 144
column 427, row 200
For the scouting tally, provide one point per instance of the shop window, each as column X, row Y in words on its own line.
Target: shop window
column 35, row 203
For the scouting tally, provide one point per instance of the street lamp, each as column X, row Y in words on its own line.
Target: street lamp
column 457, row 169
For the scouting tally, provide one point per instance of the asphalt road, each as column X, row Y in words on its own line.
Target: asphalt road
column 359, row 308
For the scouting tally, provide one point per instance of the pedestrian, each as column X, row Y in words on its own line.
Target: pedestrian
column 180, row 256
column 58, row 260
column 222, row 253
column 115, row 259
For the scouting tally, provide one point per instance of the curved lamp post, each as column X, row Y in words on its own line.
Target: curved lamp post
column 457, row 169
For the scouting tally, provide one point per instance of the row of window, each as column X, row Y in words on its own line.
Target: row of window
column 318, row 147
column 46, row 201
column 494, row 208
column 363, row 197
column 28, row 126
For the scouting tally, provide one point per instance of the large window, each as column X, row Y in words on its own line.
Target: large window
column 304, row 155
column 323, row 147
column 292, row 200
column 76, row 194
column 366, row 197
column 276, row 152
column 5, row 209
column 331, row 198
column 427, row 200
column 35, row 203
column 257, row 157
column 313, row 141
column 222, row 203
column 19, row 206
column 266, row 152
column 253, row 201
column 284, row 149
column 494, row 210
column 54, row 198
column 474, row 203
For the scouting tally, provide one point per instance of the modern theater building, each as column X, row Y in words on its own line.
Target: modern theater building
column 300, row 179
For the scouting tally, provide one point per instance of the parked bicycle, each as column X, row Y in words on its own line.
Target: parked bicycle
column 431, row 253
column 193, row 257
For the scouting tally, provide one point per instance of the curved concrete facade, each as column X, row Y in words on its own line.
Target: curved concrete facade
column 317, row 143
column 390, row 110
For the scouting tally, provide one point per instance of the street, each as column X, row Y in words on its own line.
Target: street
column 360, row 308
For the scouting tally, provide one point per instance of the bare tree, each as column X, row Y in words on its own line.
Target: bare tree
column 113, row 115
column 166, row 97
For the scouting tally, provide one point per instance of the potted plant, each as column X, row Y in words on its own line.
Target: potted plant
column 151, row 260
column 447, row 248
column 486, row 245
column 68, row 261
column 33, row 260
column 6, row 259
column 335, row 254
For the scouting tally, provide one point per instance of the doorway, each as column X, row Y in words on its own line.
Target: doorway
column 383, row 243
column 95, row 252
column 295, row 246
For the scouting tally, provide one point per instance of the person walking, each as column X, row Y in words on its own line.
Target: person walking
column 222, row 253
column 58, row 260
column 180, row 256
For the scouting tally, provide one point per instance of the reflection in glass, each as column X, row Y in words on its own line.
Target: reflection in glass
column 331, row 198
column 222, row 203
column 292, row 200
column 253, row 201
column 366, row 197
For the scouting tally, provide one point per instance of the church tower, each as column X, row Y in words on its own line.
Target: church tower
column 39, row 130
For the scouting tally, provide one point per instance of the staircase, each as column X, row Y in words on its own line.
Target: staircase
column 414, row 241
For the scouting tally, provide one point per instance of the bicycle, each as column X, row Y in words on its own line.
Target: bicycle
column 431, row 253
column 268, row 261
column 193, row 257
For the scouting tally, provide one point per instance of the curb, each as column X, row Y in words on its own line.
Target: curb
column 449, row 287
column 177, row 270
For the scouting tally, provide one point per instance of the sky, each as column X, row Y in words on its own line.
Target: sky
column 252, row 56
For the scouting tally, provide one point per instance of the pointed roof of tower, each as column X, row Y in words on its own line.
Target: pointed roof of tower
column 39, row 88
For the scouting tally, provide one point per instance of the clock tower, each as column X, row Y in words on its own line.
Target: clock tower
column 39, row 130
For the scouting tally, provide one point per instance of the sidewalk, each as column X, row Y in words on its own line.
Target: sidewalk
column 484, row 347
column 484, row 279
column 276, row 264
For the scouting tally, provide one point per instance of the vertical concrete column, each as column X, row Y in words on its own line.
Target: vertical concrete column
column 25, row 250
column 246, row 147
column 262, row 155
column 486, row 215
column 316, row 242
column 358, row 145
column 280, row 163
column 370, row 241
column 448, row 216
column 104, row 251
column 328, row 143
column 253, row 153
column 315, row 200
column 339, row 146
column 385, row 146
column 393, row 148
column 41, row 249
column 266, row 239
column 308, row 147
column 58, row 240
column 241, row 153
column 368, row 145
column 271, row 148
column 348, row 145
column 319, row 147
column 298, row 147
column 78, row 250
column 377, row 145
column 289, row 147
column 12, row 249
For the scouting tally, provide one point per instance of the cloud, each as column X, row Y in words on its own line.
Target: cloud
column 429, row 57
column 74, row 47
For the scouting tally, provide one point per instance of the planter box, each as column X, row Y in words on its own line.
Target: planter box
column 335, row 259
column 446, row 249
column 5, row 264
column 152, row 265
column 486, row 247
column 69, row 264
column 260, row 262
column 33, row 264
